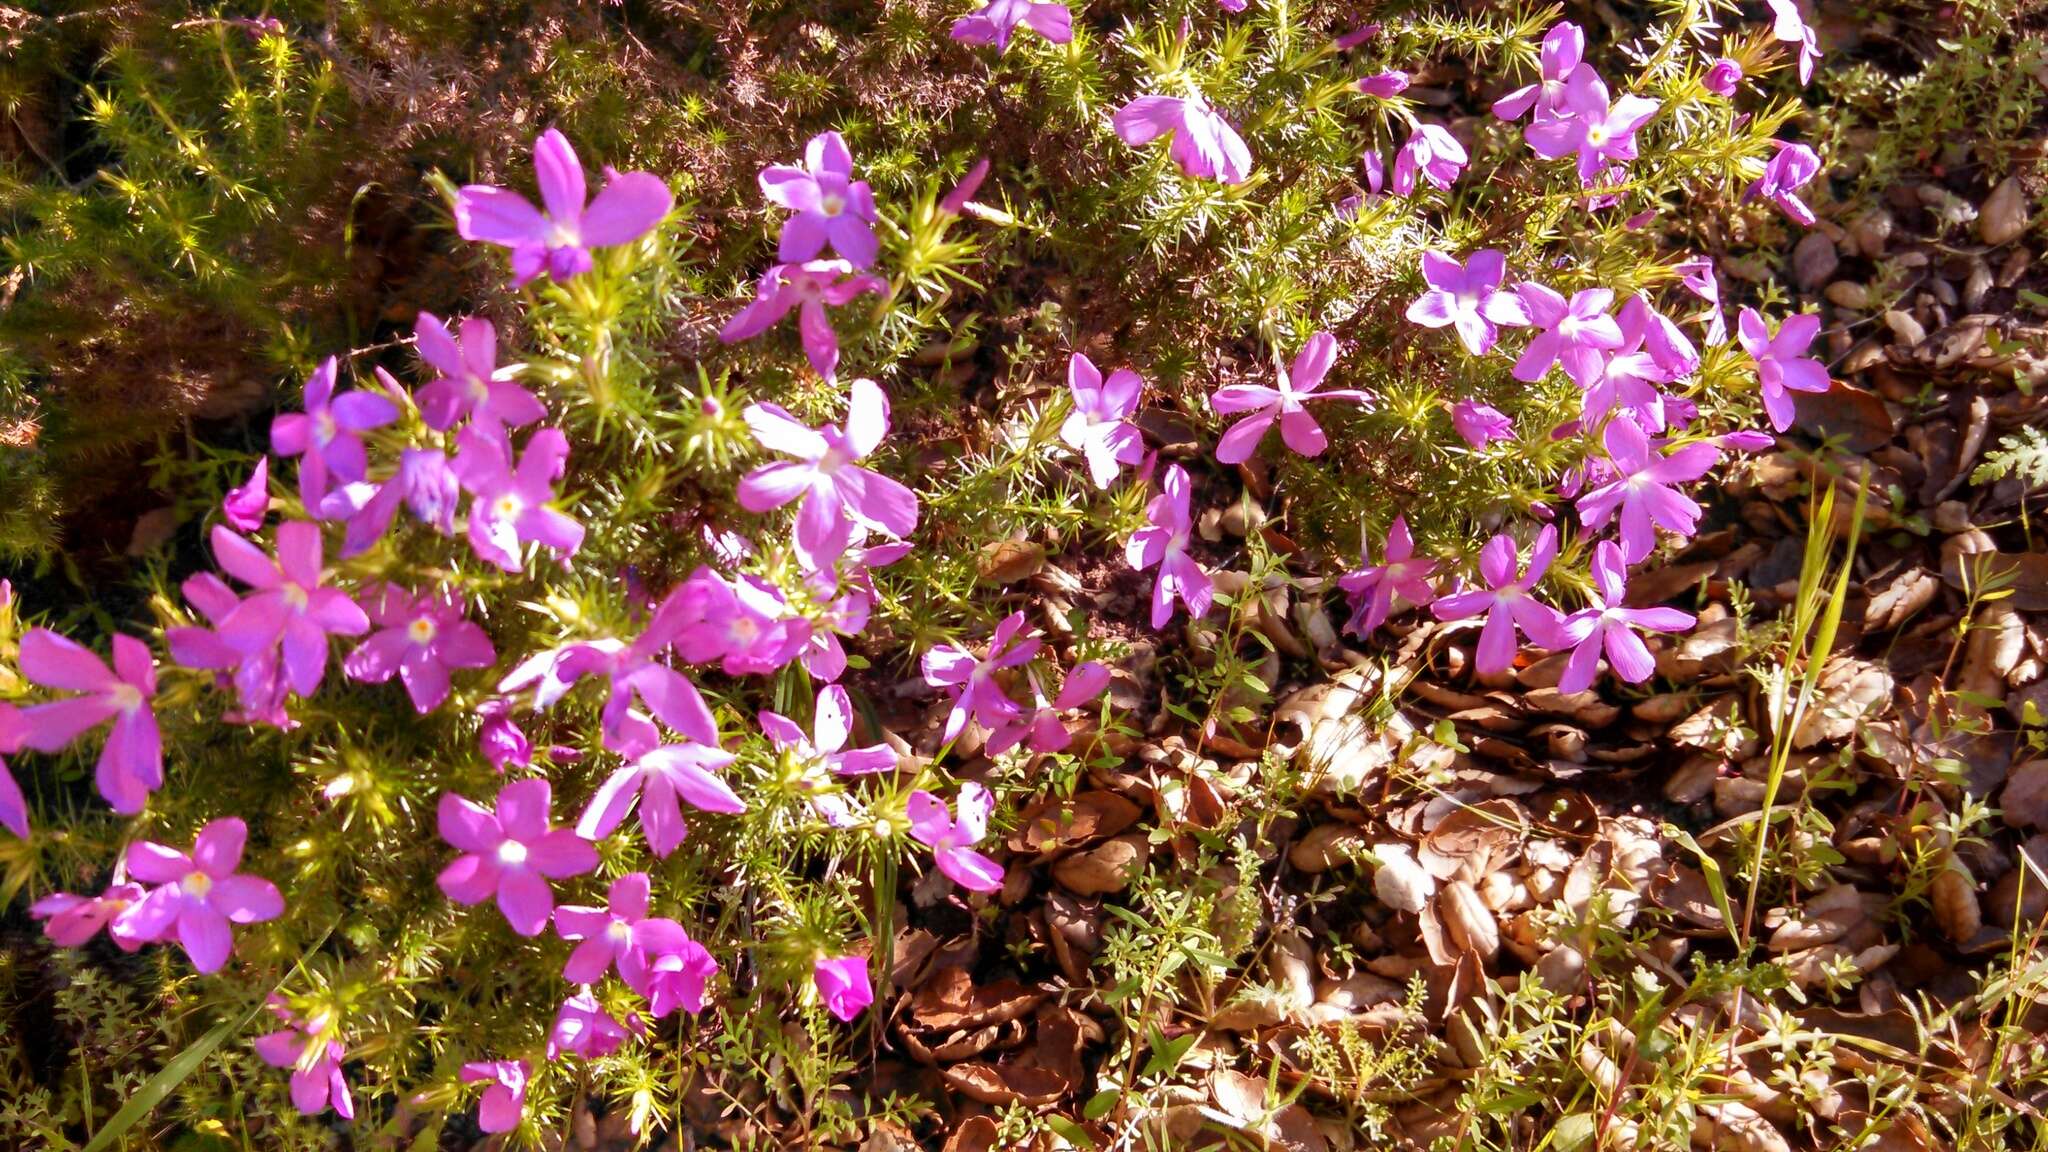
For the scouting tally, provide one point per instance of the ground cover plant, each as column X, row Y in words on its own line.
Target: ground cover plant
column 1160, row 576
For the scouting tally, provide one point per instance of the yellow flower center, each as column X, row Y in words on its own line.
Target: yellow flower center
column 197, row 884
column 420, row 631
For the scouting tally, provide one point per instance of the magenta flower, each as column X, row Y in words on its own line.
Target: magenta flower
column 842, row 983
column 13, row 805
column 1643, row 488
column 1431, row 152
column 1723, row 77
column 1296, row 386
column 809, row 288
column 423, row 483
column 197, row 895
column 1790, row 27
column 1372, row 587
column 831, row 206
column 70, row 921
column 504, row 1102
column 995, row 21
column 511, row 506
column 956, row 201
column 1610, row 626
column 288, row 606
column 1575, row 332
column 1627, row 376
column 1202, row 142
column 584, row 1028
column 621, row 935
column 258, row 678
column 1786, row 172
column 327, row 436
column 1043, row 729
column 1698, row 278
column 499, row 737
column 559, row 239
column 745, row 625
column 662, row 778
column 635, row 671
column 470, row 385
column 418, row 639
column 1668, row 345
column 952, row 842
column 245, row 506
column 510, row 854
column 825, row 749
column 1165, row 544
column 824, row 657
column 1601, row 134
column 1384, row 85
column 1564, row 46
column 1481, row 424
column 131, row 765
column 978, row 695
column 837, row 493
column 1099, row 426
column 314, row 1055
column 1780, row 369
column 678, row 979
column 1467, row 297
column 1506, row 602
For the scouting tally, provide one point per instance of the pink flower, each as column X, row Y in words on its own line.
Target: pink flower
column 258, row 678
column 1384, row 85
column 1564, row 46
column 825, row 750
column 327, row 436
column 314, row 1055
column 1780, row 369
column 621, row 935
column 1643, row 488
column 288, row 607
column 1433, row 153
column 1790, row 27
column 844, row 615
column 745, row 625
column 979, row 696
column 131, row 765
column 245, row 507
column 470, row 385
column 1788, row 170
column 808, row 287
column 1601, row 134
column 1575, row 332
column 1043, row 729
column 1372, row 587
column 1627, row 376
column 1506, row 601
column 13, row 805
column 1467, row 297
column 1610, row 626
column 1285, row 403
column 952, row 842
column 995, row 21
column 1099, row 425
column 586, row 1029
column 1481, row 424
column 662, row 778
column 842, row 983
column 1723, row 77
column 1200, row 141
column 197, row 895
column 71, row 920
column 558, row 240
column 678, row 979
column 499, row 738
column 504, row 1102
column 1698, row 278
column 510, row 854
column 418, row 639
column 837, row 493
column 1165, row 544
column 955, row 202
column 831, row 206
column 512, row 507
column 423, row 483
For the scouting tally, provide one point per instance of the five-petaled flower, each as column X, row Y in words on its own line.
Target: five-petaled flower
column 558, row 240
column 470, row 385
column 995, row 21
column 1506, row 602
column 1372, row 587
column 289, row 608
column 837, row 493
column 197, row 895
column 952, row 841
column 1201, row 141
column 1164, row 543
column 1608, row 626
column 832, row 208
column 418, row 639
column 1564, row 46
column 1575, row 332
column 131, row 765
column 327, row 435
column 663, row 778
column 978, row 695
column 1284, row 402
column 510, row 854
column 1099, row 426
column 809, row 288
column 511, row 507
column 1431, row 153
column 825, row 751
column 620, row 935
column 1599, row 133
column 1780, row 368
column 312, row 1050
column 1644, row 489
column 1468, row 297
column 70, row 920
